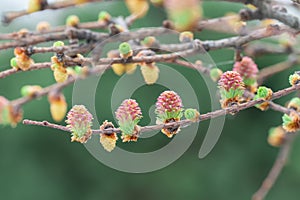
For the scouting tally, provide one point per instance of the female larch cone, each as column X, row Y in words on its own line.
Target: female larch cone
column 248, row 70
column 79, row 121
column 128, row 115
column 246, row 67
column 231, row 87
column 169, row 109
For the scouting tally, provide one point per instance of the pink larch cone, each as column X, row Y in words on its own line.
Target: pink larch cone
column 246, row 67
column 128, row 115
column 231, row 80
column 169, row 109
column 79, row 121
column 231, row 87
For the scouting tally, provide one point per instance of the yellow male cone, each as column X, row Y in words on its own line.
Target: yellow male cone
column 184, row 13
column 60, row 74
column 150, row 73
column 108, row 141
column 130, row 68
column 139, row 8
column 58, row 106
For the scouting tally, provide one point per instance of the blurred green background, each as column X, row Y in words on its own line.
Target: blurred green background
column 41, row 163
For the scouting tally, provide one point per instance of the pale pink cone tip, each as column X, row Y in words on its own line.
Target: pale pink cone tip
column 231, row 80
column 168, row 101
column 246, row 67
column 128, row 110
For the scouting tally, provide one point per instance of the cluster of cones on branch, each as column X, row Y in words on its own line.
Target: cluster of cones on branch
column 232, row 86
column 169, row 108
column 149, row 70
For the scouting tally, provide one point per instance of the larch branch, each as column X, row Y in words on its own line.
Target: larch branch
column 184, row 123
column 276, row 169
column 10, row 16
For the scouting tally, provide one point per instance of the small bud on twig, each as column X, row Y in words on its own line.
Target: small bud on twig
column 276, row 136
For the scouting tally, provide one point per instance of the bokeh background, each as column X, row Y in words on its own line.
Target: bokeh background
column 41, row 163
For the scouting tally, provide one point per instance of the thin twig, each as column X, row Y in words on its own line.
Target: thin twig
column 84, row 34
column 276, row 168
column 36, row 66
column 279, row 67
column 59, row 86
column 220, row 24
column 83, row 25
column 93, row 71
column 263, row 48
column 267, row 10
column 10, row 16
column 207, row 45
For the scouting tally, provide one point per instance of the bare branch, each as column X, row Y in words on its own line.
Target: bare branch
column 58, row 86
column 36, row 66
column 276, row 169
column 267, row 9
column 279, row 67
column 10, row 16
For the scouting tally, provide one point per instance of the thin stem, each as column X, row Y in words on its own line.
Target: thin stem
column 263, row 48
column 206, row 45
column 37, row 66
column 59, row 86
column 83, row 25
column 267, row 10
column 279, row 67
column 276, row 168
column 10, row 16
